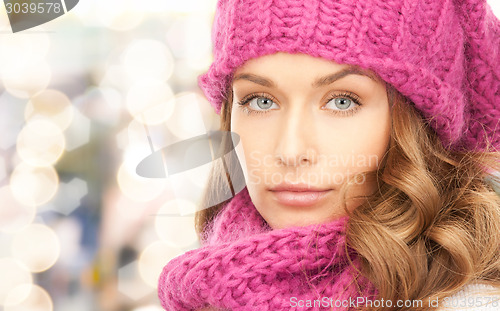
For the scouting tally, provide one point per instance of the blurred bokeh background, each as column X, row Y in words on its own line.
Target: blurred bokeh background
column 83, row 99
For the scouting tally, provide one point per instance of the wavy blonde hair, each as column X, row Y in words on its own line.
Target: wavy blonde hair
column 432, row 227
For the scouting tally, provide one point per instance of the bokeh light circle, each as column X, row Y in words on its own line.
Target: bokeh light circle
column 149, row 308
column 150, row 102
column 138, row 188
column 37, row 299
column 40, row 143
column 37, row 246
column 173, row 228
column 119, row 15
column 3, row 168
column 28, row 80
column 14, row 273
column 34, row 185
column 187, row 120
column 148, row 59
column 52, row 105
column 18, row 50
column 189, row 36
column 153, row 259
column 14, row 216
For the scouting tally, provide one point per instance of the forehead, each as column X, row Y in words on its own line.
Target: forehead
column 282, row 66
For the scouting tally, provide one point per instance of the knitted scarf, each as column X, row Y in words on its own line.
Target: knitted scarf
column 245, row 265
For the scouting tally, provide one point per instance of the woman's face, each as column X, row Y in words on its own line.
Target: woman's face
column 309, row 122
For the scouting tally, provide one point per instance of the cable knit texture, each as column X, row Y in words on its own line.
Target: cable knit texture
column 443, row 55
column 244, row 265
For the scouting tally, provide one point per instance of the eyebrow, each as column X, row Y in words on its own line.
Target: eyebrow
column 328, row 79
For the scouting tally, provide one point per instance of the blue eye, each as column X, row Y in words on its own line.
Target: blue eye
column 344, row 104
column 256, row 103
column 263, row 103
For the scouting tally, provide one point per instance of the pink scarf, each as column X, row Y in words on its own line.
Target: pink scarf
column 245, row 265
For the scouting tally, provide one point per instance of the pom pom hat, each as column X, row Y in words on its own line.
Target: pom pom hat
column 443, row 55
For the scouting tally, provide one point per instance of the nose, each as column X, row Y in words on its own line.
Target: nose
column 296, row 143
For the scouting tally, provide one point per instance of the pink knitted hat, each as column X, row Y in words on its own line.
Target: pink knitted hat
column 442, row 55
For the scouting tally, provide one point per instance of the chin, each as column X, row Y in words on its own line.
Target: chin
column 300, row 221
column 281, row 224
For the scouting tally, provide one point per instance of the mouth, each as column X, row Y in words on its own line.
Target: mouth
column 299, row 198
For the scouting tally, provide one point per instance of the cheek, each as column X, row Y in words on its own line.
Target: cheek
column 252, row 152
column 373, row 147
column 362, row 147
column 256, row 157
column 375, row 135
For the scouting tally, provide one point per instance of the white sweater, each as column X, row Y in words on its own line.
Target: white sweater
column 474, row 297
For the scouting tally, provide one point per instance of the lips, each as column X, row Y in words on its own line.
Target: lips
column 298, row 188
column 298, row 194
column 299, row 198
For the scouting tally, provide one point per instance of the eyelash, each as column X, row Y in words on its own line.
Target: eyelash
column 243, row 103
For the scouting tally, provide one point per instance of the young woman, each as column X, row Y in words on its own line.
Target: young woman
column 369, row 149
